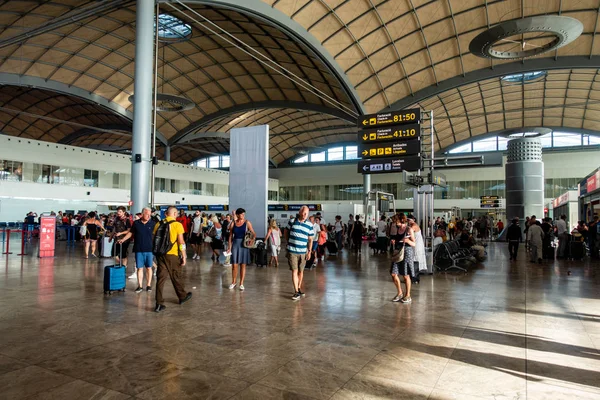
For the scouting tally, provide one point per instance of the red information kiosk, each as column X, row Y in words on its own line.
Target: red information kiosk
column 47, row 236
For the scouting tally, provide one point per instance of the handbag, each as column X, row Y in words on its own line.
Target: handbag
column 83, row 230
column 398, row 255
column 249, row 239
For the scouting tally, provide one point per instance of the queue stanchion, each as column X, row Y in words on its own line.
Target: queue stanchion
column 7, row 242
column 23, row 238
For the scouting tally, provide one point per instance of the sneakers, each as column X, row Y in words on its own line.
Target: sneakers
column 195, row 257
column 186, row 298
column 397, row 299
column 138, row 290
column 133, row 276
column 296, row 296
column 148, row 288
column 232, row 286
column 406, row 300
column 242, row 288
column 159, row 308
column 301, row 293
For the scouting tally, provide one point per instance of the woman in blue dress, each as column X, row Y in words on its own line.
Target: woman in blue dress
column 240, row 255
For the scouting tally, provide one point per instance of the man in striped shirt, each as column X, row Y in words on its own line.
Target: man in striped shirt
column 299, row 242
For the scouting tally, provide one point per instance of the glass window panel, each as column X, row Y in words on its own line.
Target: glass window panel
column 317, row 157
column 502, row 143
column 485, row 144
column 465, row 148
column 594, row 140
column 335, row 154
column 562, row 139
column 213, row 162
column 546, row 140
column 302, row 159
column 201, row 163
column 351, row 152
column 225, row 162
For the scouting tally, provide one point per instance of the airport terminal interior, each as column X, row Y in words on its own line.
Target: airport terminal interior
column 415, row 143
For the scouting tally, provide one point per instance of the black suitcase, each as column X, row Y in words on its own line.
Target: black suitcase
column 332, row 247
column 576, row 250
column 260, row 255
column 548, row 252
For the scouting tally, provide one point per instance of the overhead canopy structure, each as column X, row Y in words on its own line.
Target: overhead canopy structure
column 307, row 68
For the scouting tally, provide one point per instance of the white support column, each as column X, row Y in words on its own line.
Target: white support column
column 142, row 109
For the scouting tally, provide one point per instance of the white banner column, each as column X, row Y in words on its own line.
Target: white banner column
column 249, row 174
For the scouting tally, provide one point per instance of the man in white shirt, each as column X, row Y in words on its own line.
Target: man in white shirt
column 196, row 237
column 561, row 231
column 382, row 233
column 318, row 215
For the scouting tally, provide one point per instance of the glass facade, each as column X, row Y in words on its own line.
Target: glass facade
column 17, row 171
column 216, row 162
column 455, row 190
column 549, row 140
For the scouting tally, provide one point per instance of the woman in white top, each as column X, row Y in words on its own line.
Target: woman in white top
column 273, row 238
column 420, row 256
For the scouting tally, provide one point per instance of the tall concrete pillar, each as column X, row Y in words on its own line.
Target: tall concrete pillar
column 142, row 109
column 524, row 172
column 168, row 153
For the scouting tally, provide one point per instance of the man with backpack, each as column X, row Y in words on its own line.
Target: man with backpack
column 170, row 251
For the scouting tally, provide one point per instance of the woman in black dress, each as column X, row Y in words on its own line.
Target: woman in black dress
column 93, row 230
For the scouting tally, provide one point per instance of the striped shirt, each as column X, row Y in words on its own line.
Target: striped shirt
column 299, row 234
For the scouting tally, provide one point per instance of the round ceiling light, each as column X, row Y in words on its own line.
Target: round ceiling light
column 526, row 37
column 169, row 103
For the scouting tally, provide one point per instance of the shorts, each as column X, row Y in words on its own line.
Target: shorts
column 120, row 249
column 315, row 244
column 144, row 259
column 196, row 238
column 296, row 261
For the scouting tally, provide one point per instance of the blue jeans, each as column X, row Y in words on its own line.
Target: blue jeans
column 338, row 239
column 144, row 260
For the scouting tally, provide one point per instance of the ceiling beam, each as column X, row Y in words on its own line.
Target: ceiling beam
column 76, row 15
column 188, row 133
column 102, row 130
column 59, row 87
column 262, row 11
column 499, row 70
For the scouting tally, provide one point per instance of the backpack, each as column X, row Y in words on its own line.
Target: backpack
column 161, row 243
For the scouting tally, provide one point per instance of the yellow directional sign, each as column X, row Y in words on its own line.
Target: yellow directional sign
column 412, row 116
column 404, row 132
column 403, row 148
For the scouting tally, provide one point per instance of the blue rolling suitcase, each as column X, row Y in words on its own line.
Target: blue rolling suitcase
column 115, row 278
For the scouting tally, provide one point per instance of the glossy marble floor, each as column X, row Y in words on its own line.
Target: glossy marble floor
column 502, row 331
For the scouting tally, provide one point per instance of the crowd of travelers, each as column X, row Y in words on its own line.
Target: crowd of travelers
column 309, row 239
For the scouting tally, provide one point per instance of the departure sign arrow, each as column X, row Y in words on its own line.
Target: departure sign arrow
column 365, row 152
column 392, row 118
column 405, row 132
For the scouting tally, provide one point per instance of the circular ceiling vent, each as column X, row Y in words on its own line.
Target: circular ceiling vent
column 169, row 103
column 526, row 37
